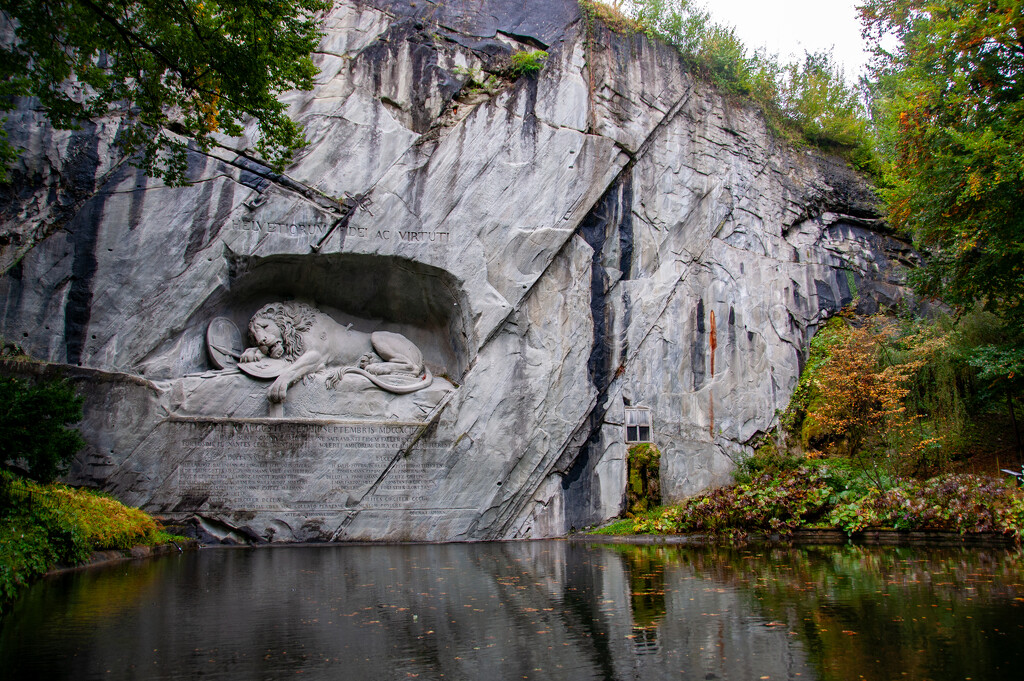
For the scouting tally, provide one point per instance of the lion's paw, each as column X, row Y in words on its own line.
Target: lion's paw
column 277, row 391
column 251, row 355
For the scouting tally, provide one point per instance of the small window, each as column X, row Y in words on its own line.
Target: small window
column 638, row 424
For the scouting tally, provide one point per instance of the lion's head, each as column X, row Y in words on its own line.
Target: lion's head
column 293, row 319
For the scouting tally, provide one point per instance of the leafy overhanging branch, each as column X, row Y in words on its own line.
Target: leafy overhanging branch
column 188, row 68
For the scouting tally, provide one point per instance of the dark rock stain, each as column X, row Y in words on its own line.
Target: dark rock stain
column 731, row 329
column 136, row 205
column 698, row 353
column 601, row 224
column 13, row 303
column 200, row 223
column 84, row 234
column 610, row 218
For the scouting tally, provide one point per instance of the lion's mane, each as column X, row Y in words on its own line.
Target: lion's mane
column 293, row 319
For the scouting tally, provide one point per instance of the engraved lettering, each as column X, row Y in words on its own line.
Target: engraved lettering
column 307, row 468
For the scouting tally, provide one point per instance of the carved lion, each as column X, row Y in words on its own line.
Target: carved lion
column 310, row 341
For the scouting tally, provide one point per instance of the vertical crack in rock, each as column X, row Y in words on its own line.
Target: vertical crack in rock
column 613, row 214
column 606, row 228
column 84, row 234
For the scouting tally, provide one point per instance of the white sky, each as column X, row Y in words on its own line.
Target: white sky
column 789, row 27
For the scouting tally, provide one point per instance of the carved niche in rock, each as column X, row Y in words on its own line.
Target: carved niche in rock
column 294, row 340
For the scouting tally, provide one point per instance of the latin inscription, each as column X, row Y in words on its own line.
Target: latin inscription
column 317, row 230
column 401, row 235
column 306, row 468
column 285, row 228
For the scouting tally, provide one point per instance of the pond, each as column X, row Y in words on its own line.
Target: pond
column 528, row 610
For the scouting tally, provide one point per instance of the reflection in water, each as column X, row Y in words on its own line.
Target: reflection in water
column 646, row 565
column 537, row 610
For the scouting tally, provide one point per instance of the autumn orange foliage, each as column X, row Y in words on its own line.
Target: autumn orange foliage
column 859, row 395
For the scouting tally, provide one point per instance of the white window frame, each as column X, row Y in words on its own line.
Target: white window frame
column 639, row 425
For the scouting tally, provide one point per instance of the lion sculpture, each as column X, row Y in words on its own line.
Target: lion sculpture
column 310, row 341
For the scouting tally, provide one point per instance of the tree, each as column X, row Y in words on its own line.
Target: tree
column 175, row 70
column 33, row 426
column 810, row 98
column 950, row 102
column 858, row 396
column 816, row 96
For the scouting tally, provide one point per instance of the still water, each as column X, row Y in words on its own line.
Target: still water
column 533, row 610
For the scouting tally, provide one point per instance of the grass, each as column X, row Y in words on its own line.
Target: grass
column 42, row 526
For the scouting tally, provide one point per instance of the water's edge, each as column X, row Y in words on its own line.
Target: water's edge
column 136, row 553
column 922, row 538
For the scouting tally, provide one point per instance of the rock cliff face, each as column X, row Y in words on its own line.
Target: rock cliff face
column 611, row 235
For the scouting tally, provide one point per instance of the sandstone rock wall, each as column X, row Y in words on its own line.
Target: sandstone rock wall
column 610, row 233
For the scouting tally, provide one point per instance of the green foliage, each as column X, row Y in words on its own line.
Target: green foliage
column 528, row 63
column 190, row 68
column 815, row 96
column 476, row 81
column 778, row 502
column 767, row 459
column 806, row 395
column 643, row 490
column 33, row 426
column 835, row 496
column 623, row 526
column 810, row 98
column 25, row 553
column 943, row 390
column 900, row 395
column 949, row 105
column 42, row 526
column 959, row 503
column 609, row 14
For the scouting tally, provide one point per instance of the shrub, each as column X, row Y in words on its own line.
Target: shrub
column 836, row 496
column 41, row 526
column 958, row 503
column 860, row 396
column 476, row 81
column 34, row 426
column 528, row 63
column 794, row 420
column 776, row 503
column 767, row 458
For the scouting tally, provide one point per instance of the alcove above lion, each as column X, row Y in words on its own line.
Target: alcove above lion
column 372, row 293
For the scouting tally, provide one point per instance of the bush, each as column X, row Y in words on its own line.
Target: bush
column 34, row 426
column 806, row 395
column 836, row 496
column 42, row 526
column 903, row 395
column 776, row 503
column 528, row 63
column 958, row 503
column 767, row 458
